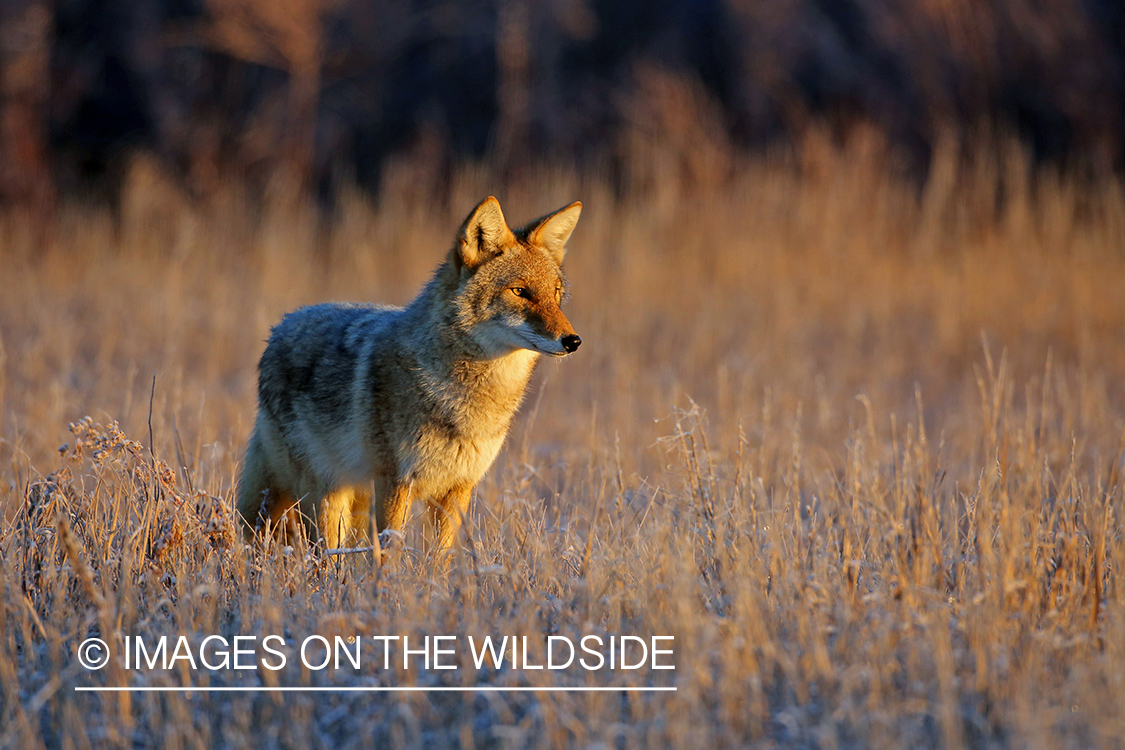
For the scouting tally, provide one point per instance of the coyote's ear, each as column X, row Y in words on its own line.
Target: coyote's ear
column 553, row 230
column 484, row 235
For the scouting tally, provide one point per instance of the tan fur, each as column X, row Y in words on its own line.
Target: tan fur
column 363, row 409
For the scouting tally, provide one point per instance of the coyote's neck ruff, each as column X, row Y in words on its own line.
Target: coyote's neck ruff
column 361, row 402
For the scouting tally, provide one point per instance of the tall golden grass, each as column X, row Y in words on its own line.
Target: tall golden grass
column 854, row 441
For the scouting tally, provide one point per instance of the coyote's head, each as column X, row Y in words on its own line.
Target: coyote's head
column 510, row 284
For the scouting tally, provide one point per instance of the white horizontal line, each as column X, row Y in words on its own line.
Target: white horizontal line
column 351, row 689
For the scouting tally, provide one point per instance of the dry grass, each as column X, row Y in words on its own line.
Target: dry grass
column 857, row 446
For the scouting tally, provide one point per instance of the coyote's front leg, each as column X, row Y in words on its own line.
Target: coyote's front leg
column 444, row 521
column 343, row 517
column 392, row 501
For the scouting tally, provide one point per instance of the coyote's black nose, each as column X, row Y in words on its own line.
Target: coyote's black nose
column 571, row 342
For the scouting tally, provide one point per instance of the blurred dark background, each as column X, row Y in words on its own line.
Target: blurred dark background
column 331, row 91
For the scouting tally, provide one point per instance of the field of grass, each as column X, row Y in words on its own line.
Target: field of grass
column 854, row 441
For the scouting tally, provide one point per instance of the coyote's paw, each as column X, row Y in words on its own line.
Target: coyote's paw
column 391, row 539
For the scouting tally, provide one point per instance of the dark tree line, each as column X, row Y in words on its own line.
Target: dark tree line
column 328, row 90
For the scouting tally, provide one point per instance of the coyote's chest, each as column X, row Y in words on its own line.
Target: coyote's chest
column 442, row 463
column 467, row 424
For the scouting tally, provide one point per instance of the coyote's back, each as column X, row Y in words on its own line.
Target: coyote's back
column 363, row 408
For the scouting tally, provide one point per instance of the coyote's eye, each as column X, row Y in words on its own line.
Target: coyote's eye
column 521, row 291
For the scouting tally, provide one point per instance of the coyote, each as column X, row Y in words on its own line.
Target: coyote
column 360, row 403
